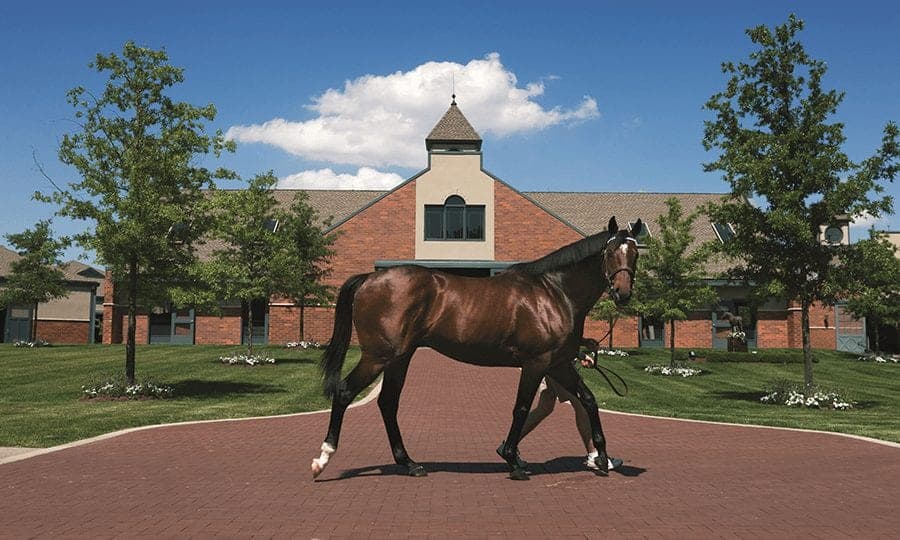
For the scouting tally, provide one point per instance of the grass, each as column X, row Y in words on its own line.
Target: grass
column 730, row 391
column 40, row 390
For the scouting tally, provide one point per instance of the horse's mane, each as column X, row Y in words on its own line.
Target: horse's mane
column 564, row 256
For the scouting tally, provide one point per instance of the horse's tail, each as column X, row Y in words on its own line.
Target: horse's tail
column 332, row 360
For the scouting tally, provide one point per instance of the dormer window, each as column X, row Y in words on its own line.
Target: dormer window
column 454, row 220
column 643, row 234
column 724, row 231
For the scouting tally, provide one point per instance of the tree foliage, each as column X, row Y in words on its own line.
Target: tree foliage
column 136, row 152
column 260, row 249
column 670, row 279
column 778, row 151
column 36, row 276
column 607, row 310
column 872, row 273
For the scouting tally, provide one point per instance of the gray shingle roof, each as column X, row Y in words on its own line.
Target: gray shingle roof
column 588, row 212
column 453, row 126
column 73, row 271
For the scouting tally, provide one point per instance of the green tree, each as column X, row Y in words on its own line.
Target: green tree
column 777, row 149
column 606, row 310
column 263, row 250
column 137, row 154
column 36, row 276
column 670, row 279
column 872, row 273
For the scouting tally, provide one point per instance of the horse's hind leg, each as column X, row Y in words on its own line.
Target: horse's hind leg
column 528, row 386
column 565, row 375
column 362, row 376
column 389, row 402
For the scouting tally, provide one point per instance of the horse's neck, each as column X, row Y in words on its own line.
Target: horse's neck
column 584, row 282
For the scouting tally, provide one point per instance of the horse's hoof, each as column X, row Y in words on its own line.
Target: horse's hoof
column 519, row 474
column 316, row 469
column 417, row 471
column 602, row 466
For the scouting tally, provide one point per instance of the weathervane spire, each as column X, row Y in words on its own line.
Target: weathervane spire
column 453, row 88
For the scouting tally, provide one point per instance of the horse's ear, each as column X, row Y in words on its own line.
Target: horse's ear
column 637, row 228
column 613, row 227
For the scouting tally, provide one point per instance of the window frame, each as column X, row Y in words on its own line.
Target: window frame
column 454, row 203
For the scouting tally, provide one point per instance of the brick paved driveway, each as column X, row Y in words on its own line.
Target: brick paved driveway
column 251, row 478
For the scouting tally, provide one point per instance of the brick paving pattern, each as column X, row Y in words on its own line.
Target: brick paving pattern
column 251, row 478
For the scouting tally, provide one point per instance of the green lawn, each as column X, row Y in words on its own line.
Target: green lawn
column 40, row 390
column 730, row 392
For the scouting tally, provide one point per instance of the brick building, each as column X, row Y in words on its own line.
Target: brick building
column 456, row 216
column 74, row 318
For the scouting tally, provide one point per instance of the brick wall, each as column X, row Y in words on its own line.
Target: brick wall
column 215, row 329
column 389, row 227
column 524, row 231
column 772, row 329
column 69, row 332
column 695, row 331
column 625, row 332
column 284, row 324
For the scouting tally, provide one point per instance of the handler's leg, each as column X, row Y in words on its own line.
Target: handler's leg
column 568, row 378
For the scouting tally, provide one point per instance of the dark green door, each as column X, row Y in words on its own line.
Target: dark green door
column 18, row 325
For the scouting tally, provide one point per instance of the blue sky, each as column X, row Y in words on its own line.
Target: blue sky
column 580, row 96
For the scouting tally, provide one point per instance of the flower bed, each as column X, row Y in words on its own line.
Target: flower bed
column 879, row 359
column 792, row 395
column 677, row 371
column 611, row 352
column 246, row 360
column 117, row 388
column 37, row 343
column 303, row 345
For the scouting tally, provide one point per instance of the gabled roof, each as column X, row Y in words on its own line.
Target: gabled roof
column 453, row 129
column 73, row 271
column 587, row 212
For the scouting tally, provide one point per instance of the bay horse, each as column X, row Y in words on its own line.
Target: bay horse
column 531, row 316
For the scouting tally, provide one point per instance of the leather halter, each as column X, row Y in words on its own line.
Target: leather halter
column 610, row 277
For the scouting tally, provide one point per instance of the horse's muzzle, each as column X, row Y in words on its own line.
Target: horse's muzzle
column 619, row 297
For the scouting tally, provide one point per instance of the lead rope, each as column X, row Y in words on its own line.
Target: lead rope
column 600, row 368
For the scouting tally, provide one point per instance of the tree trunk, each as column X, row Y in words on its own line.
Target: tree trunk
column 250, row 328
column 302, row 333
column 132, row 324
column 876, row 347
column 612, row 323
column 807, row 353
column 34, row 324
column 672, row 343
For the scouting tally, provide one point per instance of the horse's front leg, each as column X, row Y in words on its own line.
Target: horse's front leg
column 389, row 403
column 565, row 374
column 529, row 381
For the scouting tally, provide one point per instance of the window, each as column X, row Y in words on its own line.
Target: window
column 724, row 231
column 643, row 234
column 454, row 220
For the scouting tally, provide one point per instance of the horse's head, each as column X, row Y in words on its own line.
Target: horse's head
column 620, row 260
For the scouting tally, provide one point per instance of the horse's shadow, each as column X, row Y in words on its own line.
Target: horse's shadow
column 553, row 466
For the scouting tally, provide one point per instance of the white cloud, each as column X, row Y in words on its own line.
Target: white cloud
column 860, row 225
column 365, row 178
column 382, row 120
